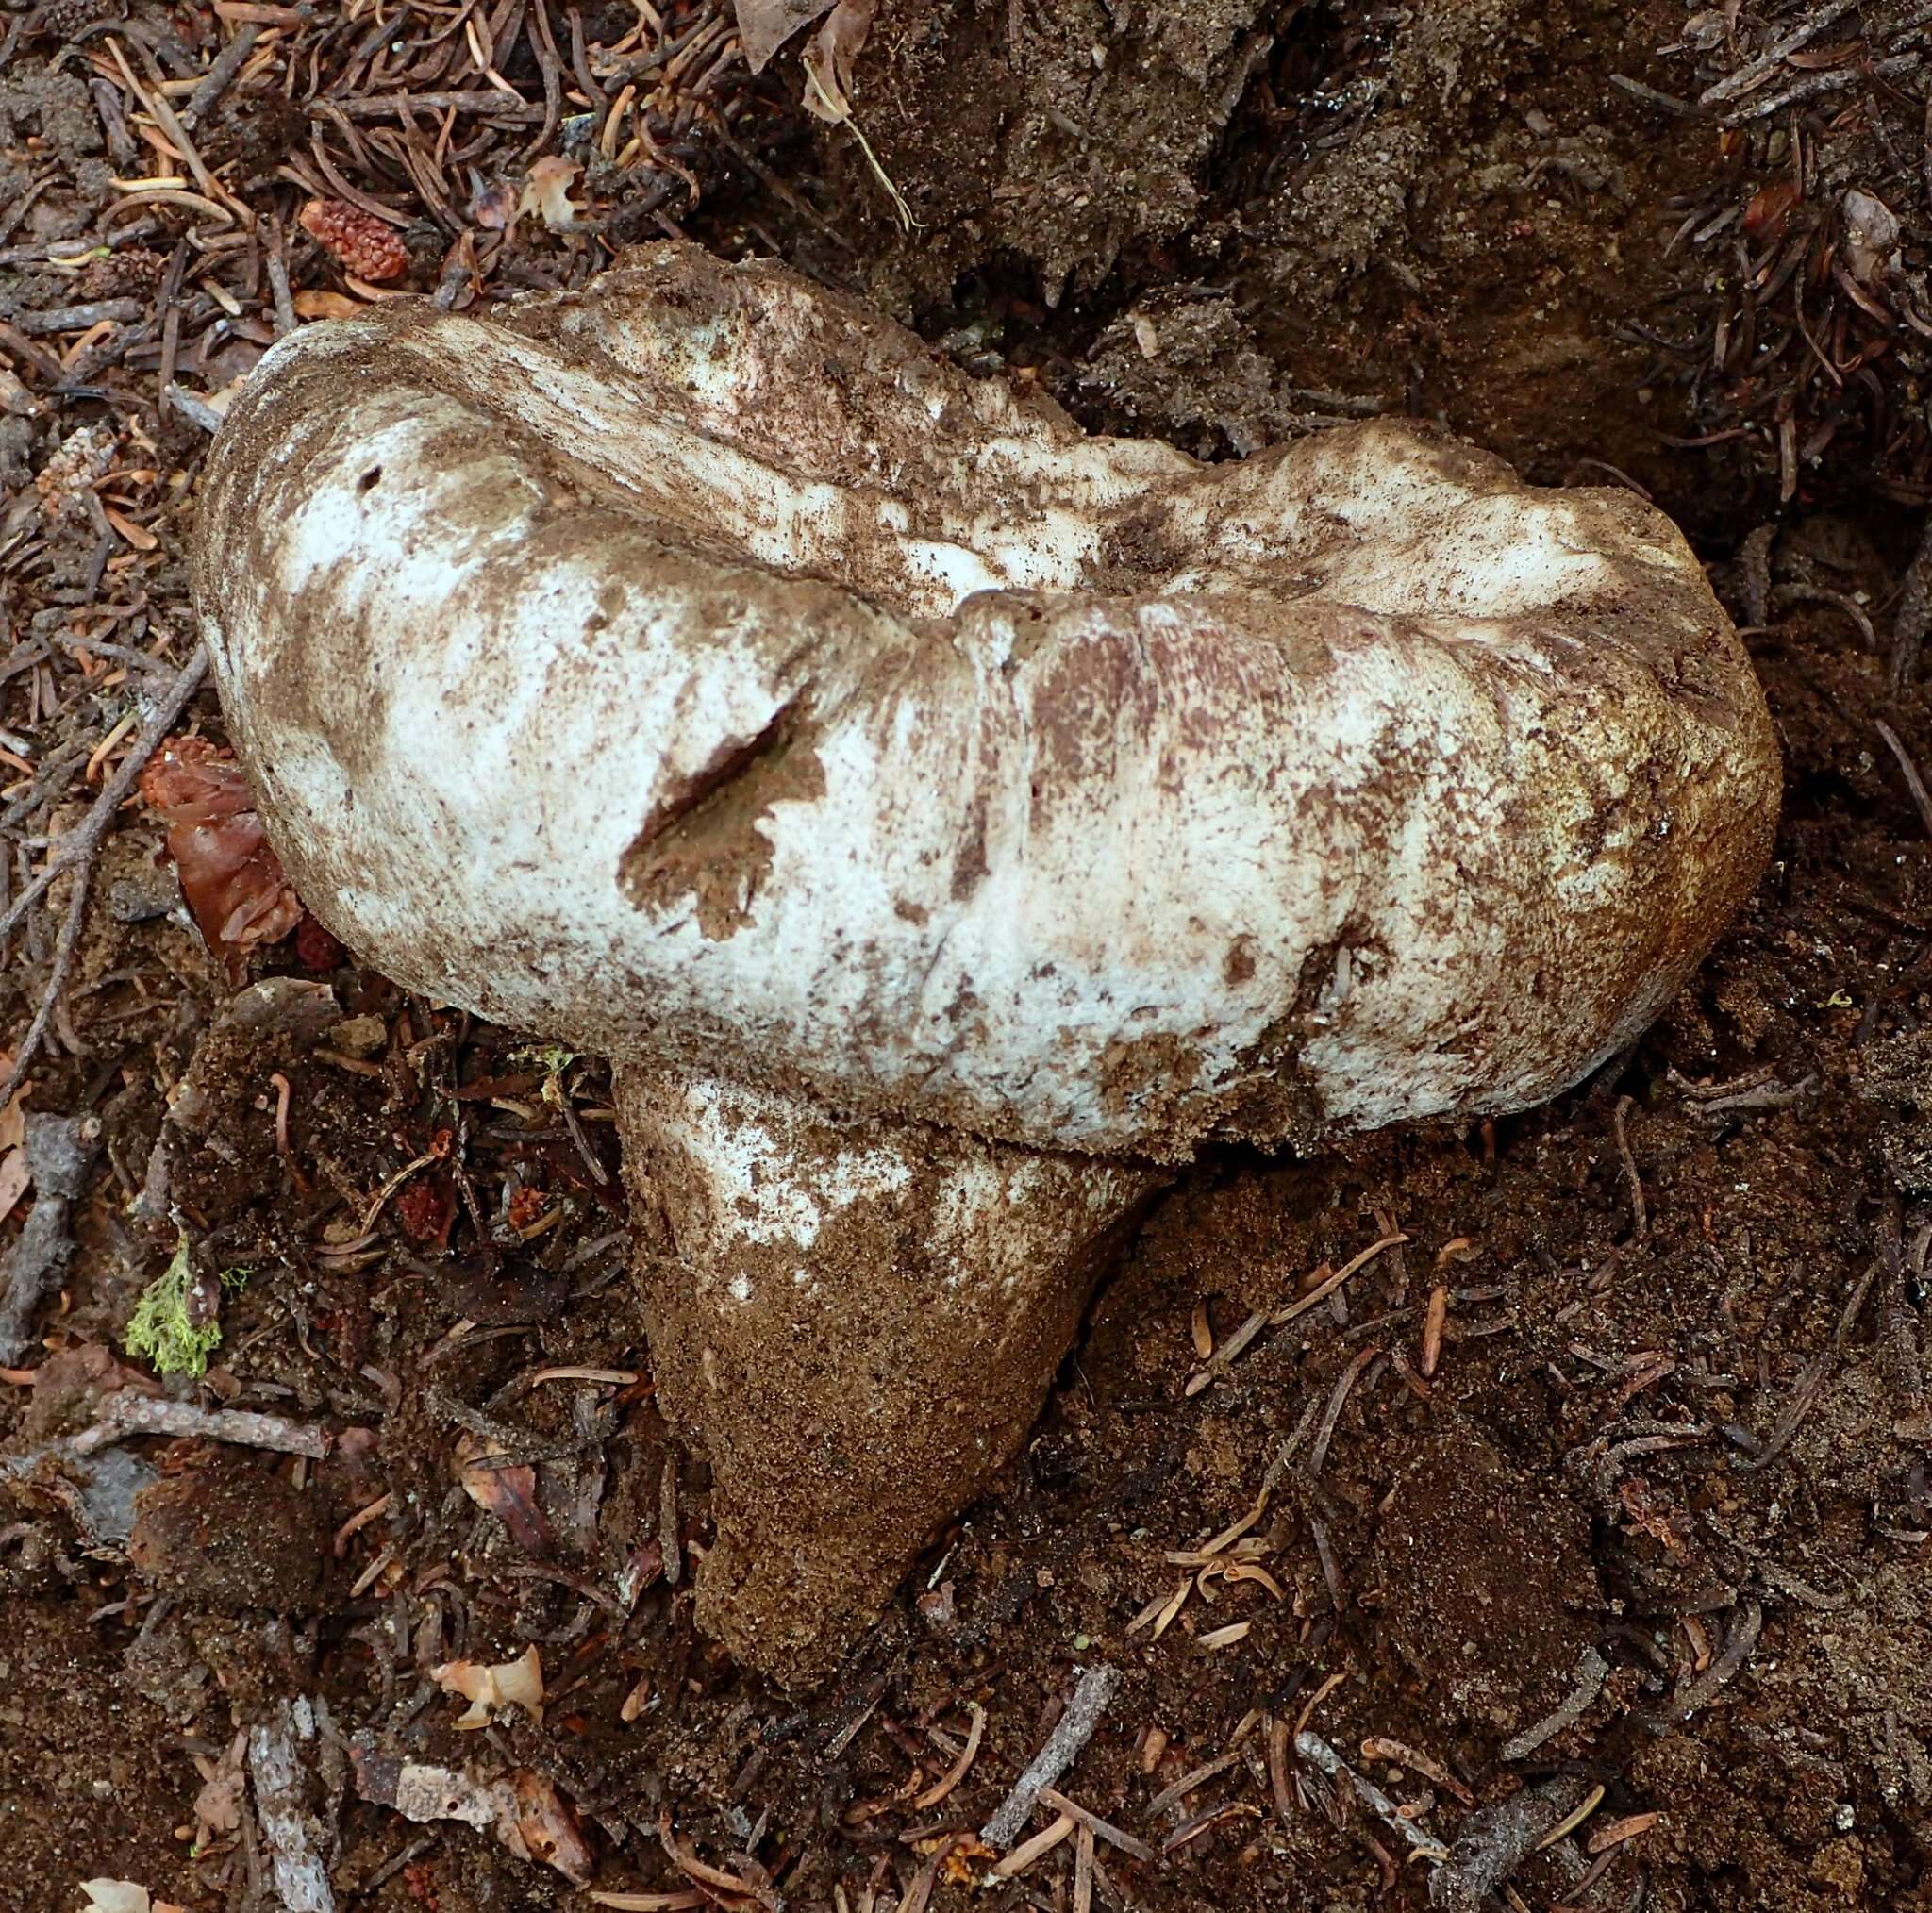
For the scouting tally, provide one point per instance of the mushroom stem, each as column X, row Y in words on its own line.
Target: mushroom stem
column 857, row 1319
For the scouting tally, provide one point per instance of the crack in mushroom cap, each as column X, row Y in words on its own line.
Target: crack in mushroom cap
column 695, row 669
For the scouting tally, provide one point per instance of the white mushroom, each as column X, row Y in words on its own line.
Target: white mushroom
column 945, row 818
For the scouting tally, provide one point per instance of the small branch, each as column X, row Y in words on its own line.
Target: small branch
column 1091, row 1698
column 1317, row 1751
column 1914, row 608
column 227, row 63
column 1640, row 1215
column 197, row 411
column 78, row 847
column 1921, row 799
column 287, row 1826
column 1776, row 54
column 81, row 318
column 127, row 1413
column 1495, row 1840
column 1694, row 1696
column 1591, row 1675
column 59, row 1154
column 1817, row 83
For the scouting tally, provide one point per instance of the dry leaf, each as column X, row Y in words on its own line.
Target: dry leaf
column 12, row 1118
column 232, row 881
column 486, row 1687
column 493, row 203
column 1770, row 211
column 547, row 193
column 547, row 1827
column 522, row 1808
column 765, row 26
column 828, row 64
column 508, row 1494
column 138, row 536
column 116, row 1896
column 218, row 1805
column 325, row 306
column 14, row 1177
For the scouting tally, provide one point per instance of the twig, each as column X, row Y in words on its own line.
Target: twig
column 76, row 852
column 1092, row 1823
column 1495, row 1840
column 59, row 1152
column 1913, row 618
column 510, row 1447
column 1776, row 54
column 80, row 318
column 227, row 63
column 1640, row 1215
column 1762, row 1096
column 398, row 106
column 1814, row 84
column 1694, row 1696
column 1921, row 798
column 85, row 838
column 1097, row 1688
column 197, row 411
column 1317, row 1751
column 65, row 945
column 126, row 1412
column 287, row 1826
column 1591, row 1673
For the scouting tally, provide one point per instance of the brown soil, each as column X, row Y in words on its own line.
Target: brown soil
column 1667, row 1470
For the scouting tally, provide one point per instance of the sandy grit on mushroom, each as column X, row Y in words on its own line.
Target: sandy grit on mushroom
column 947, row 821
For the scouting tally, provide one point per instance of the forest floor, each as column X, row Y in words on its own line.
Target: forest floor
column 1601, row 1492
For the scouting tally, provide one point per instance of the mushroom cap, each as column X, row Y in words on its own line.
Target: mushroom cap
column 696, row 670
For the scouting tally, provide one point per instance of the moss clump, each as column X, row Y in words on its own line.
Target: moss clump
column 174, row 1327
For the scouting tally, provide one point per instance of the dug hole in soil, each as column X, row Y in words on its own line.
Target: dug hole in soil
column 1603, row 1492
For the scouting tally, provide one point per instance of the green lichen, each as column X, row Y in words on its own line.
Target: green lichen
column 163, row 1328
column 553, row 1060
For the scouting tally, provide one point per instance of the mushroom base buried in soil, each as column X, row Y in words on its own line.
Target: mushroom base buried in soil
column 857, row 1321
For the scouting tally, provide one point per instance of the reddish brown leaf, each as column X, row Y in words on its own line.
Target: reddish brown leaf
column 508, row 1494
column 232, row 881
column 1770, row 212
